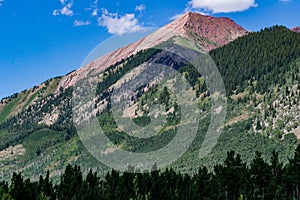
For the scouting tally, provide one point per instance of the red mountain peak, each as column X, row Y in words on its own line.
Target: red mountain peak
column 216, row 31
column 296, row 29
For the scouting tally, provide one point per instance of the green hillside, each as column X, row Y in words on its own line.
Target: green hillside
column 18, row 102
column 261, row 75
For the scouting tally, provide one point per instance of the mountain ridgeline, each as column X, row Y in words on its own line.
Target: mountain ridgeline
column 261, row 76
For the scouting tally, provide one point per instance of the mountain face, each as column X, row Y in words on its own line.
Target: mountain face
column 218, row 31
column 261, row 77
column 206, row 31
column 209, row 32
column 296, row 29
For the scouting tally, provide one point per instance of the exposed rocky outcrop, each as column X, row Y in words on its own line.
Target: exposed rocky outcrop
column 296, row 29
column 214, row 32
column 207, row 31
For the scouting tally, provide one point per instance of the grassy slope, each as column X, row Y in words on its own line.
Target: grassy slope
column 14, row 105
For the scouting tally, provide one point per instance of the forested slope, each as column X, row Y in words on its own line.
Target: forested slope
column 260, row 59
column 261, row 74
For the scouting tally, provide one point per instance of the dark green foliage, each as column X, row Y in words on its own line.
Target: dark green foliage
column 260, row 56
column 71, row 181
column 230, row 180
column 142, row 120
column 45, row 187
column 132, row 143
column 13, row 132
column 35, row 113
column 115, row 72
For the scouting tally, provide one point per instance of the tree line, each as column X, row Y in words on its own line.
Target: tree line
column 233, row 179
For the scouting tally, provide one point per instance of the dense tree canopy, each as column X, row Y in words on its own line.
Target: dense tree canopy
column 260, row 56
column 231, row 180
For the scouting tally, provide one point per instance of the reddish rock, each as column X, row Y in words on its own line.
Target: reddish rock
column 214, row 32
column 296, row 29
column 209, row 32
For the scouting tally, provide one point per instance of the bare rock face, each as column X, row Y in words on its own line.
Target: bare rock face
column 207, row 31
column 214, row 32
column 296, row 29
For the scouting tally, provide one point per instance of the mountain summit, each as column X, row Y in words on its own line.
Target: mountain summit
column 216, row 32
column 260, row 70
column 207, row 31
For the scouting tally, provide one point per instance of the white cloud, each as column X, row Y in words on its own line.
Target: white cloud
column 93, row 9
column 62, row 2
column 285, row 1
column 140, row 7
column 94, row 13
column 66, row 10
column 81, row 23
column 116, row 24
column 55, row 12
column 222, row 6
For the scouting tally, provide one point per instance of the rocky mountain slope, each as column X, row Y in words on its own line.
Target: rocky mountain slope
column 37, row 131
column 296, row 29
column 209, row 32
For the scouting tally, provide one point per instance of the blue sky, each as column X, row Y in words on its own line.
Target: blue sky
column 41, row 39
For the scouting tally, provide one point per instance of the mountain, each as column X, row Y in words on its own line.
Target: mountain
column 209, row 32
column 260, row 72
column 296, row 29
